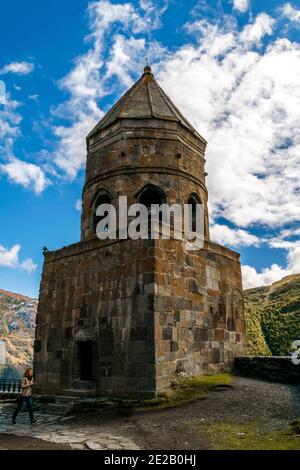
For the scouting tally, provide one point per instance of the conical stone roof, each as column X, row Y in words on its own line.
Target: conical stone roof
column 144, row 100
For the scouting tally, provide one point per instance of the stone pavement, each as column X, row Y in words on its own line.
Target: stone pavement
column 59, row 430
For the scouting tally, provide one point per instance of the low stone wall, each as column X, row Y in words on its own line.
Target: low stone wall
column 274, row 368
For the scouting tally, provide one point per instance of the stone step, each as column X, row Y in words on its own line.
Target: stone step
column 77, row 393
column 57, row 408
column 84, row 384
column 65, row 399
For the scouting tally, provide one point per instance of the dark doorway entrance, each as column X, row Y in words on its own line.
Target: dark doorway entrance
column 85, row 360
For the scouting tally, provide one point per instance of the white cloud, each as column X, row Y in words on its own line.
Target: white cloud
column 289, row 12
column 26, row 174
column 242, row 95
column 9, row 257
column 78, row 205
column 34, row 98
column 114, row 52
column 253, row 278
column 18, row 68
column 28, row 265
column 233, row 237
column 234, row 93
column 246, row 103
column 2, row 92
column 254, row 32
column 120, row 63
column 241, row 5
column 9, row 125
column 244, row 98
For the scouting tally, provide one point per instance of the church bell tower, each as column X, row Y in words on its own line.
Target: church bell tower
column 127, row 317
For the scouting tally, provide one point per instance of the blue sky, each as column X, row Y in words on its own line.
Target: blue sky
column 232, row 66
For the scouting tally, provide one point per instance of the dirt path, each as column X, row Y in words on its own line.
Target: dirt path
column 186, row 427
column 8, row 442
column 274, row 404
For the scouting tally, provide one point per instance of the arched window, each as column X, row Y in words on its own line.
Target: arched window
column 102, row 198
column 193, row 200
column 151, row 194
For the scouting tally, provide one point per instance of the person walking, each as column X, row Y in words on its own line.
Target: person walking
column 26, row 386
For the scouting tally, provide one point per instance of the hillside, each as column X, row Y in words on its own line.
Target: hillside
column 273, row 317
column 17, row 323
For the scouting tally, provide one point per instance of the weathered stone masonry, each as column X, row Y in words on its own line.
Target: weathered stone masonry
column 140, row 312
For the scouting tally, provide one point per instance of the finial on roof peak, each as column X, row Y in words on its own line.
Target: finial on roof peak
column 147, row 69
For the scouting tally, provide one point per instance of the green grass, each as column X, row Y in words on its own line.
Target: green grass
column 272, row 316
column 251, row 435
column 187, row 390
column 295, row 425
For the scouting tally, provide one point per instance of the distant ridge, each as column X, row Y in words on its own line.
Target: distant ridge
column 16, row 296
column 273, row 316
column 17, row 326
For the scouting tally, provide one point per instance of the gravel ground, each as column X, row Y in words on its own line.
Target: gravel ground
column 8, row 442
column 248, row 399
column 276, row 405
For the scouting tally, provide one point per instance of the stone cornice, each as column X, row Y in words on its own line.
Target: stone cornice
column 167, row 134
column 124, row 170
column 94, row 244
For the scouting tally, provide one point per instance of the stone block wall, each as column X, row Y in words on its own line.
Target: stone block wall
column 99, row 292
column 128, row 158
column 153, row 311
column 198, row 310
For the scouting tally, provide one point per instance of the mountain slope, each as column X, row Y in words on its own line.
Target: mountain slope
column 17, row 323
column 273, row 317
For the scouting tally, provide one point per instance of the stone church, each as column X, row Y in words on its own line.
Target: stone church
column 127, row 317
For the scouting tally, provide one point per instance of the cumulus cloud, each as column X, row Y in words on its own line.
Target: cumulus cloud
column 266, row 277
column 239, row 87
column 291, row 13
column 9, row 124
column 17, row 68
column 78, row 205
column 241, row 5
column 28, row 265
column 26, row 174
column 244, row 97
column 233, row 237
column 114, row 49
column 288, row 240
column 2, row 92
column 9, row 257
column 245, row 100
column 253, row 33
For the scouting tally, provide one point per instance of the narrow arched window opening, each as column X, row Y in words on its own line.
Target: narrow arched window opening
column 102, row 198
column 193, row 201
column 151, row 195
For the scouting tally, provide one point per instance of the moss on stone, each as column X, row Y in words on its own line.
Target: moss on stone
column 186, row 390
